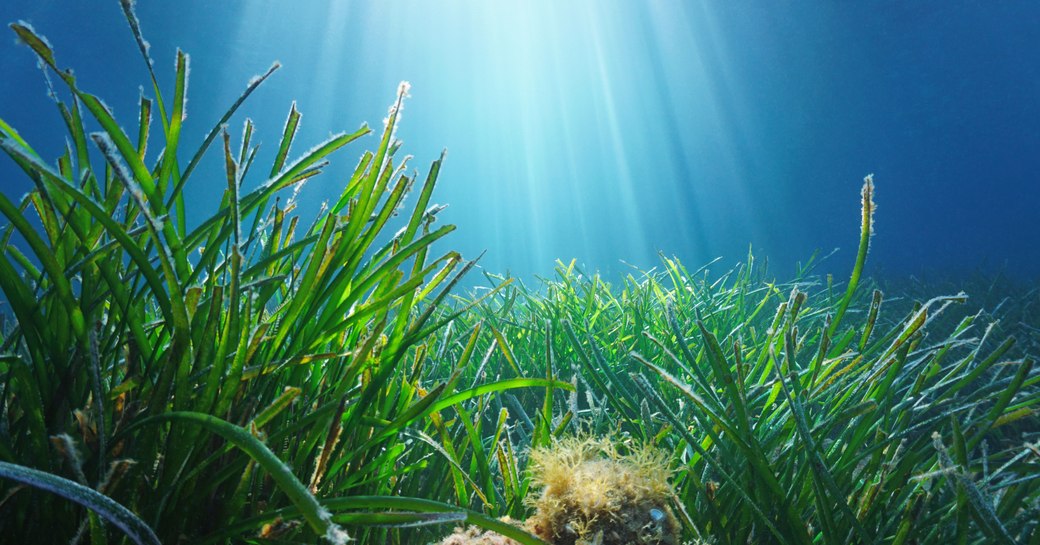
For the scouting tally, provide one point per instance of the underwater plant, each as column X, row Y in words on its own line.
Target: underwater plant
column 592, row 494
column 250, row 375
column 798, row 412
column 263, row 378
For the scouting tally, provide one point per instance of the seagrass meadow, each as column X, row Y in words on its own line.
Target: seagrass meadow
column 262, row 377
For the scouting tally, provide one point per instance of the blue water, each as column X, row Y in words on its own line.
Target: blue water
column 607, row 131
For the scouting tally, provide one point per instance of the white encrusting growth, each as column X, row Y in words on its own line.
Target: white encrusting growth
column 187, row 73
column 130, row 8
column 39, row 36
column 108, row 149
column 255, row 80
column 398, row 106
column 333, row 533
column 105, row 107
column 868, row 207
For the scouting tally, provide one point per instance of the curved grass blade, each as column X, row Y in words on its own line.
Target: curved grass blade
column 106, row 507
column 418, row 505
column 502, row 385
column 317, row 517
column 866, row 230
column 400, row 519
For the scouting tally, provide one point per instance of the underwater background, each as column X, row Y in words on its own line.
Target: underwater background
column 748, row 273
column 609, row 131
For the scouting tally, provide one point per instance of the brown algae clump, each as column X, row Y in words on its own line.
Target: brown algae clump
column 593, row 494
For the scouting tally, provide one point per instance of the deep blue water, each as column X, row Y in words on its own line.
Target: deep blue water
column 607, row 131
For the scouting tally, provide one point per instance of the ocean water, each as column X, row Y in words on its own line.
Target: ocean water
column 600, row 131
column 610, row 131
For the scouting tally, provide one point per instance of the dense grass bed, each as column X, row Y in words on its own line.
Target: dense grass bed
column 266, row 378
